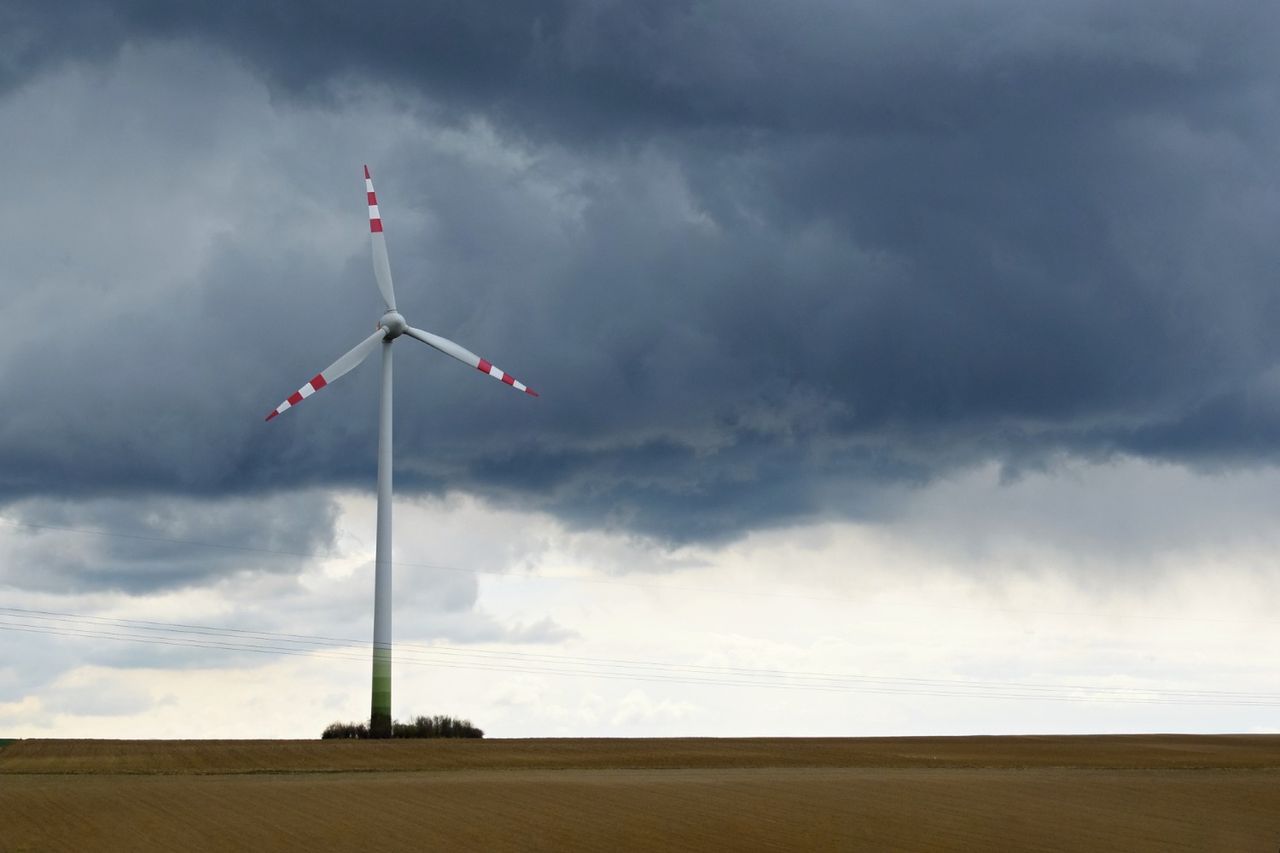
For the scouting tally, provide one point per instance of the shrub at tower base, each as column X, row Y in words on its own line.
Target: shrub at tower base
column 437, row 726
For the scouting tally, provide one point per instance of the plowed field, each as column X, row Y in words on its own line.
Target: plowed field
column 1047, row 793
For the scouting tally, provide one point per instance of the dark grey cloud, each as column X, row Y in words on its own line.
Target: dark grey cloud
column 765, row 262
column 591, row 67
column 142, row 544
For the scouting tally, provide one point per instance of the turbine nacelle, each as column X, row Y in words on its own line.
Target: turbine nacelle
column 394, row 324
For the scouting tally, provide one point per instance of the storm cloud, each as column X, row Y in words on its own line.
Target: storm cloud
column 765, row 262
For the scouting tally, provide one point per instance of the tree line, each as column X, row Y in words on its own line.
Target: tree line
column 440, row 725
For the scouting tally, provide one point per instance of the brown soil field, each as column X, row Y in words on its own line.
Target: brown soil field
column 1154, row 792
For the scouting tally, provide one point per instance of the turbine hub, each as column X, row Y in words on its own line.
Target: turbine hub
column 394, row 323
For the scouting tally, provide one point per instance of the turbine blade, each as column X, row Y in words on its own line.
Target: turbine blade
column 381, row 264
column 466, row 356
column 339, row 368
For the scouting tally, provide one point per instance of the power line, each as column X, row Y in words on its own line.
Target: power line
column 720, row 591
column 534, row 657
column 239, row 640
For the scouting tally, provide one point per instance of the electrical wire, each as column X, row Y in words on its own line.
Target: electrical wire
column 577, row 579
column 79, row 626
column 535, row 657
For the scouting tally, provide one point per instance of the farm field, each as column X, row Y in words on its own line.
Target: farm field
column 1033, row 793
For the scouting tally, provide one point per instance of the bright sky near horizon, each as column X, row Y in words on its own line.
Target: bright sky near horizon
column 903, row 370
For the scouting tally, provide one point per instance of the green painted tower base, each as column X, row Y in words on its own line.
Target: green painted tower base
column 380, row 712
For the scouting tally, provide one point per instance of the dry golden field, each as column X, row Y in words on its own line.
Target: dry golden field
column 1157, row 792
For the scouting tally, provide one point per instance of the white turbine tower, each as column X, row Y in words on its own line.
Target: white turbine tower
column 391, row 326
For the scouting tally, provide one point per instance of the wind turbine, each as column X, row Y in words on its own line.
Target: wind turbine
column 390, row 327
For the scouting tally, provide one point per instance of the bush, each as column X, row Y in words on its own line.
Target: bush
column 345, row 730
column 437, row 726
column 421, row 727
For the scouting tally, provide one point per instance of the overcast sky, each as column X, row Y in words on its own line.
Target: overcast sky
column 910, row 340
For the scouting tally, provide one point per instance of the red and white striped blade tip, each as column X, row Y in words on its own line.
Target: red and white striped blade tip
column 486, row 366
column 375, row 218
column 317, row 382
